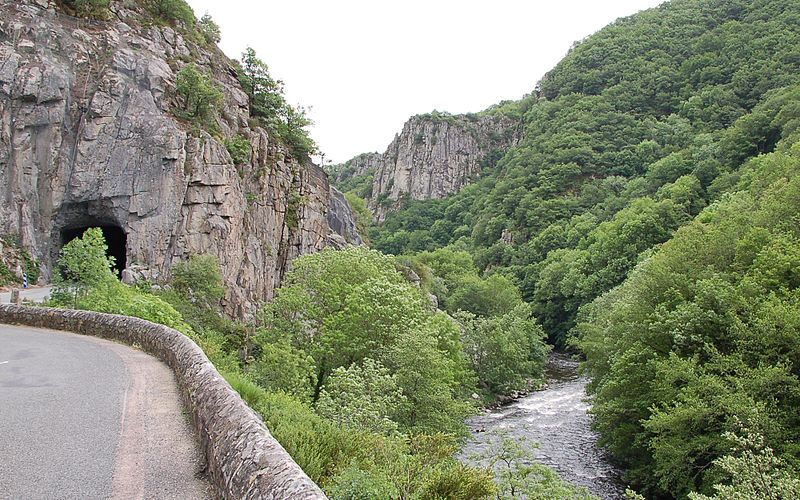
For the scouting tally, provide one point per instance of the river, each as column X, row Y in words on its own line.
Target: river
column 557, row 419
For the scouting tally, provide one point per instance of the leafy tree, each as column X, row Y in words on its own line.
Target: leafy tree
column 83, row 265
column 265, row 93
column 174, row 11
column 702, row 335
column 209, row 29
column 494, row 296
column 279, row 367
column 199, row 279
column 200, row 94
column 268, row 105
column 341, row 307
column 506, row 351
column 755, row 472
column 519, row 475
column 362, row 396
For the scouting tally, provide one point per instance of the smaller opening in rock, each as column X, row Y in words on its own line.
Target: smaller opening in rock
column 116, row 240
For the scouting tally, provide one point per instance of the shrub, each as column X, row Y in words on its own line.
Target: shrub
column 200, row 94
column 93, row 9
column 174, row 10
column 199, row 280
column 209, row 29
column 239, row 148
column 82, row 266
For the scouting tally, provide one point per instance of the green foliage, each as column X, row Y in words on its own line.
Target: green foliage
column 269, row 107
column 519, row 475
column 82, row 267
column 239, row 148
column 199, row 279
column 362, row 397
column 755, row 472
column 93, row 9
column 85, row 281
column 655, row 113
column 342, row 307
column 209, row 29
column 279, row 367
column 349, row 463
column 704, row 334
column 13, row 254
column 493, row 296
column 173, row 11
column 294, row 209
column 201, row 96
column 362, row 215
column 114, row 297
column 506, row 351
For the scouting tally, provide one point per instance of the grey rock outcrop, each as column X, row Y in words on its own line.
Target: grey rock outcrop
column 341, row 221
column 87, row 138
column 363, row 164
column 433, row 157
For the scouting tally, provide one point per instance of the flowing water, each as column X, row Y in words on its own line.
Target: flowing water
column 557, row 419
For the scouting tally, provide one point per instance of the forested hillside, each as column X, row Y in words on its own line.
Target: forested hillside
column 660, row 155
column 637, row 129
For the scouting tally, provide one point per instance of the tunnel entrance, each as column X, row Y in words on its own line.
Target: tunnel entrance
column 116, row 240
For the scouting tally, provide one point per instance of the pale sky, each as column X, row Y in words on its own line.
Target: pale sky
column 366, row 66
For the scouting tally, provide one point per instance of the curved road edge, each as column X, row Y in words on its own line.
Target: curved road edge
column 244, row 460
column 90, row 418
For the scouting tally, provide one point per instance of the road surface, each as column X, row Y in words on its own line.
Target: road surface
column 34, row 294
column 83, row 417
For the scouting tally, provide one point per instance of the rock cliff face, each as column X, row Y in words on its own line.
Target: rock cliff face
column 341, row 221
column 87, row 138
column 434, row 156
column 363, row 164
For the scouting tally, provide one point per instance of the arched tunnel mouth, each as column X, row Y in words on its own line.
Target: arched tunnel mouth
column 116, row 241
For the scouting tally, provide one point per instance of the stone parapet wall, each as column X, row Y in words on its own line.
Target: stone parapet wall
column 244, row 461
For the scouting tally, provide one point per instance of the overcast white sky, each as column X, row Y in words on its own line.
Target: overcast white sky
column 365, row 66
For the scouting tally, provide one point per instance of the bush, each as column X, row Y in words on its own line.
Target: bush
column 93, row 9
column 174, row 11
column 82, row 267
column 200, row 94
column 209, row 29
column 114, row 297
column 506, row 351
column 362, row 397
column 199, row 280
column 239, row 148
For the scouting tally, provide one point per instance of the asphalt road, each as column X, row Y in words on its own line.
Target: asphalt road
column 82, row 417
column 36, row 294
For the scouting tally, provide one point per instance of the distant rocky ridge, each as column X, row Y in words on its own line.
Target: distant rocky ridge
column 87, row 138
column 434, row 156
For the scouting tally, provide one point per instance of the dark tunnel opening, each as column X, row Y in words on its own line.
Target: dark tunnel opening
column 116, row 240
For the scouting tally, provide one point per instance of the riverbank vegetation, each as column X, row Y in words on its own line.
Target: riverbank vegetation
column 649, row 217
column 354, row 371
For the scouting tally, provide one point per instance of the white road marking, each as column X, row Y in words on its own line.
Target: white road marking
column 3, row 362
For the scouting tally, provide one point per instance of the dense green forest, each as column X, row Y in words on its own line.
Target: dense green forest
column 649, row 218
column 633, row 133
